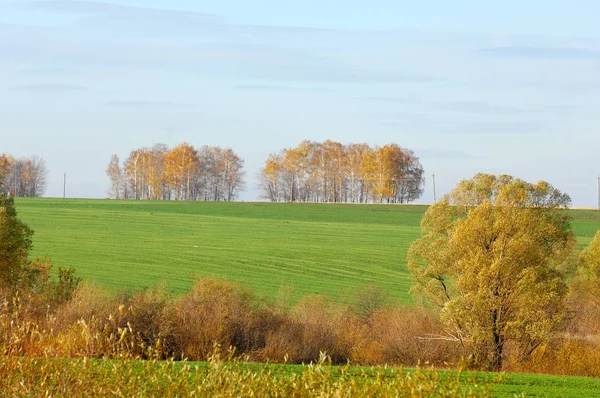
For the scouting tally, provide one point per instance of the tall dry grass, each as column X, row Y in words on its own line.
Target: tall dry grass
column 222, row 376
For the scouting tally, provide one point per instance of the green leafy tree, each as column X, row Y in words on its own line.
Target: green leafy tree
column 489, row 257
column 16, row 271
column 15, row 242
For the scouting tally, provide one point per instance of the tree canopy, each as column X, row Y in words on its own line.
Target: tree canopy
column 181, row 173
column 331, row 172
column 589, row 269
column 489, row 257
column 23, row 177
column 15, row 242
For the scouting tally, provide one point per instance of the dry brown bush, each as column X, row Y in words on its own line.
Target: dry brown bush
column 574, row 350
column 88, row 302
column 80, row 323
column 150, row 324
column 397, row 335
column 148, row 314
column 311, row 328
column 411, row 335
column 585, row 311
column 563, row 356
column 214, row 312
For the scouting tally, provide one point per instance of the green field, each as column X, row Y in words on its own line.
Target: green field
column 314, row 248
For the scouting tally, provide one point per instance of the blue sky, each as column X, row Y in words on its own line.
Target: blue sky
column 500, row 87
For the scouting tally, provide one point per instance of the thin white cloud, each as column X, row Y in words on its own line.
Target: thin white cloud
column 99, row 7
column 439, row 153
column 280, row 88
column 49, row 72
column 142, row 104
column 51, row 88
column 500, row 128
column 479, row 107
column 541, row 52
column 273, row 61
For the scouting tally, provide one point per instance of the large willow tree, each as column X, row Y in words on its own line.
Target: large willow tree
column 489, row 257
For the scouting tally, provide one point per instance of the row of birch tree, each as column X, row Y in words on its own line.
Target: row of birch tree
column 23, row 177
column 332, row 172
column 181, row 173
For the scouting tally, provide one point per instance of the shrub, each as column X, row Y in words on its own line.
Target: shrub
column 62, row 290
column 213, row 312
column 310, row 329
column 563, row 356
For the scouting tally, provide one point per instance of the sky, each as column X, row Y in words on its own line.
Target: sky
column 502, row 87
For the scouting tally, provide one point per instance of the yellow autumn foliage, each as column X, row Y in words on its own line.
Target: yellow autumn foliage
column 489, row 257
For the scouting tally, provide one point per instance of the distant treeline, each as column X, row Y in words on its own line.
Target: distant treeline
column 180, row 173
column 332, row 172
column 22, row 177
column 312, row 172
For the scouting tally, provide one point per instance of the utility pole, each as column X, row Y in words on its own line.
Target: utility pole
column 599, row 193
column 65, row 186
column 435, row 196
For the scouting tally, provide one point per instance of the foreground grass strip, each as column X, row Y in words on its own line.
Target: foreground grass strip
column 55, row 377
column 532, row 385
column 80, row 377
column 502, row 385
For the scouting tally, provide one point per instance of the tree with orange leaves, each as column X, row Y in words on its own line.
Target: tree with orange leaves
column 155, row 173
column 331, row 172
column 393, row 174
column 377, row 170
column 181, row 163
column 270, row 176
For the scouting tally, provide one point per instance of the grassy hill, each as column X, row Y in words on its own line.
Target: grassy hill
column 313, row 248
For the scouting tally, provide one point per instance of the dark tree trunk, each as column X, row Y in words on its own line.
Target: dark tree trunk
column 498, row 344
